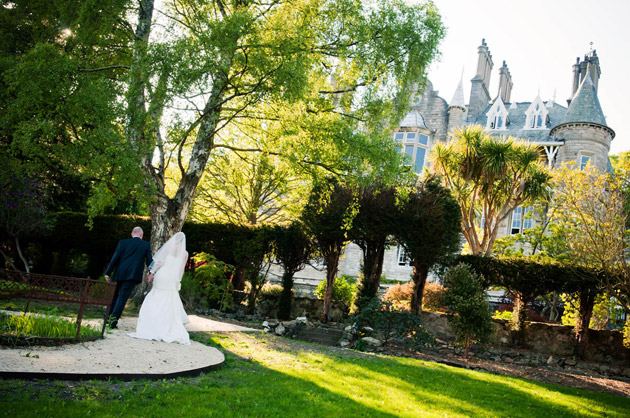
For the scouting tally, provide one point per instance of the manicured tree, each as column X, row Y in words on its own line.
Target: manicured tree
column 468, row 310
column 429, row 231
column 327, row 217
column 489, row 178
column 292, row 249
column 372, row 230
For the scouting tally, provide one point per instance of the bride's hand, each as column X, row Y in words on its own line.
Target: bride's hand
column 150, row 278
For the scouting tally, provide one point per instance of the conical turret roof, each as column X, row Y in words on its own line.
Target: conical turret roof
column 458, row 97
column 585, row 105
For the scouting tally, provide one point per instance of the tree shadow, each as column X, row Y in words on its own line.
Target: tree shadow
column 438, row 388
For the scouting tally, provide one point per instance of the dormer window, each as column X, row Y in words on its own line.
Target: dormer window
column 497, row 116
column 537, row 115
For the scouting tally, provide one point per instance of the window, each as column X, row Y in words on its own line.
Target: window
column 584, row 160
column 498, row 116
column 415, row 145
column 401, row 256
column 537, row 115
column 521, row 220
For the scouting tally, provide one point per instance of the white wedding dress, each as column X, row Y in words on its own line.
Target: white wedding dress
column 162, row 316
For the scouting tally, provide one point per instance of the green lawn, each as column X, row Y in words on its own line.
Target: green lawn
column 274, row 377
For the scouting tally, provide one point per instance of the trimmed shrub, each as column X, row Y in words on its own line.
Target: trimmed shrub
column 468, row 310
column 343, row 290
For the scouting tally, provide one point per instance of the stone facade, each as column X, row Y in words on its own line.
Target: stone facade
column 575, row 133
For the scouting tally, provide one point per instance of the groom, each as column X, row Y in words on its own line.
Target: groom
column 128, row 265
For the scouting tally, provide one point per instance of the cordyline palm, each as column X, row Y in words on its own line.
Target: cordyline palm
column 489, row 177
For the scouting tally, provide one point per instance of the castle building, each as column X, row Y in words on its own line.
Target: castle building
column 577, row 132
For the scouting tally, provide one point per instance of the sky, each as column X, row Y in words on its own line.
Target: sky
column 540, row 41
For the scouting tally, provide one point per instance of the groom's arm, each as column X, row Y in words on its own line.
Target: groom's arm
column 114, row 262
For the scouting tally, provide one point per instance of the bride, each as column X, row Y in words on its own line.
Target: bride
column 162, row 316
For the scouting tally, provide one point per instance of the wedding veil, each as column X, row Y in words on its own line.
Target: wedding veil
column 174, row 247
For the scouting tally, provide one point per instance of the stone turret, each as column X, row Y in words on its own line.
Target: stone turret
column 583, row 129
column 479, row 93
column 591, row 66
column 456, row 109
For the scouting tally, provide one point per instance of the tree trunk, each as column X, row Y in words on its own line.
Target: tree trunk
column 19, row 251
column 419, row 278
column 373, row 255
column 286, row 297
column 519, row 316
column 332, row 263
column 587, row 301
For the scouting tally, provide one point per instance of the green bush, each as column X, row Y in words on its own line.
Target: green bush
column 468, row 310
column 391, row 322
column 209, row 286
column 344, row 289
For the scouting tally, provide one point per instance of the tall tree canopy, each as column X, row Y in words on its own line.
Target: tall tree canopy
column 489, row 178
column 123, row 92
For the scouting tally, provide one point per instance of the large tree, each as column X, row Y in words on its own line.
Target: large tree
column 489, row 177
column 429, row 231
column 327, row 217
column 324, row 67
column 372, row 230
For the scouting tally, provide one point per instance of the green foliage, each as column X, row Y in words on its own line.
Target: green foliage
column 43, row 326
column 292, row 248
column 468, row 310
column 344, row 289
column 489, row 177
column 506, row 315
column 429, row 231
column 372, row 230
column 606, row 312
column 213, row 282
column 391, row 322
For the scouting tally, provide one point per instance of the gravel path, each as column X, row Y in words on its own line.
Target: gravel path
column 119, row 355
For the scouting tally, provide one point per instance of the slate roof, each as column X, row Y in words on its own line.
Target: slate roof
column 585, row 105
column 516, row 127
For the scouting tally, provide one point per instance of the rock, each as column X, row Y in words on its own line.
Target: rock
column 301, row 319
column 349, row 329
column 550, row 360
column 289, row 324
column 344, row 343
column 280, row 329
column 265, row 324
column 273, row 322
column 230, row 316
column 267, row 329
column 569, row 362
column 372, row 342
column 508, row 360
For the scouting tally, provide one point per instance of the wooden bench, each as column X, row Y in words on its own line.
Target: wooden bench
column 33, row 286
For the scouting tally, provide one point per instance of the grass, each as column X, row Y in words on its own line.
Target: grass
column 270, row 376
column 43, row 326
column 69, row 310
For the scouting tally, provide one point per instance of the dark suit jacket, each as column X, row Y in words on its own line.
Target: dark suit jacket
column 129, row 259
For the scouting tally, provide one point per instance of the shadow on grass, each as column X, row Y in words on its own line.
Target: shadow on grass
column 410, row 387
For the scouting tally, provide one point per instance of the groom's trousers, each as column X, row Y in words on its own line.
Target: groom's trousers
column 121, row 295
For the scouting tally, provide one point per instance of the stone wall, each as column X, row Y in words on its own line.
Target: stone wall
column 302, row 307
column 605, row 346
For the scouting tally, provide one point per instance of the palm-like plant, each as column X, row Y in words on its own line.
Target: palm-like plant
column 489, row 177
